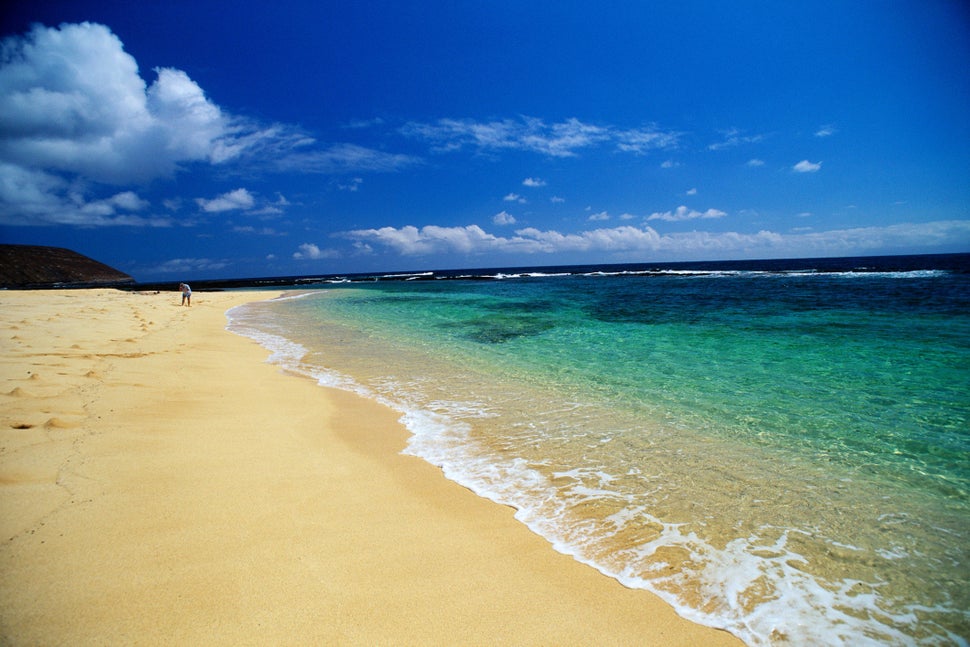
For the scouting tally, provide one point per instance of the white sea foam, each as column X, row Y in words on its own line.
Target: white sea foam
column 284, row 352
column 500, row 276
column 909, row 274
column 290, row 297
column 799, row 610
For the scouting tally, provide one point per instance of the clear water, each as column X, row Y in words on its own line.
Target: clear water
column 784, row 453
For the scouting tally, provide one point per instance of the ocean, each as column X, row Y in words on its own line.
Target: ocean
column 777, row 448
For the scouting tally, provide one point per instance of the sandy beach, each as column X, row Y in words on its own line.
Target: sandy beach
column 160, row 483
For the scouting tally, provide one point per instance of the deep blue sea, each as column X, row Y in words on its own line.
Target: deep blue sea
column 778, row 448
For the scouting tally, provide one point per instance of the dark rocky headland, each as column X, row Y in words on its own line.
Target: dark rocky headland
column 37, row 267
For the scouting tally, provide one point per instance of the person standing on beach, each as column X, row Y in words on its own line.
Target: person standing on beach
column 186, row 294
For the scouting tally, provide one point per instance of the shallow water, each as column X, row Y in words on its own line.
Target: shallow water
column 782, row 453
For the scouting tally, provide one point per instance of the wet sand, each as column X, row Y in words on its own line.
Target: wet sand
column 160, row 483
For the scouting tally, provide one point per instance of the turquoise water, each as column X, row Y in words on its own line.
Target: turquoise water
column 783, row 454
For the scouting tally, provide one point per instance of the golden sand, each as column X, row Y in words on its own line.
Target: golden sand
column 161, row 484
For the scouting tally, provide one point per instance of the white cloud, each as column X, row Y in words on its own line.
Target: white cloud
column 503, row 218
column 309, row 251
column 645, row 139
column 33, row 197
column 192, row 127
column 514, row 197
column 618, row 239
column 624, row 240
column 231, row 201
column 76, row 115
column 732, row 138
column 353, row 185
column 599, row 217
column 826, row 131
column 807, row 167
column 556, row 199
column 410, row 240
column 71, row 100
column 268, row 210
column 683, row 213
column 337, row 158
column 556, row 140
column 669, row 164
column 563, row 139
column 365, row 123
column 755, row 162
column 691, row 191
column 129, row 200
column 533, row 182
column 262, row 231
column 124, row 201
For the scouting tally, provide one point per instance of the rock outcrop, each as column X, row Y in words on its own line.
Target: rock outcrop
column 34, row 266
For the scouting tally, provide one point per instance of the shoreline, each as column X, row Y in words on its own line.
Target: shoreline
column 161, row 483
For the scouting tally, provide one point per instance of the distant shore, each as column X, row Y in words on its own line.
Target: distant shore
column 160, row 483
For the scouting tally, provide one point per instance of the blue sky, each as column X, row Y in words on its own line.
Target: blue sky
column 180, row 140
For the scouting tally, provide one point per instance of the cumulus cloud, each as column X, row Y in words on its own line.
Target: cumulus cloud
column 514, row 197
column 472, row 239
column 503, row 218
column 755, row 162
column 563, row 139
column 231, row 201
column 76, row 115
column 71, row 100
column 683, row 213
column 533, row 182
column 599, row 217
column 124, row 201
column 807, row 167
column 33, row 197
column 617, row 239
column 626, row 240
column 309, row 251
column 129, row 200
column 410, row 240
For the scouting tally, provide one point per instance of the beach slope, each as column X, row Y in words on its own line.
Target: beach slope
column 160, row 483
